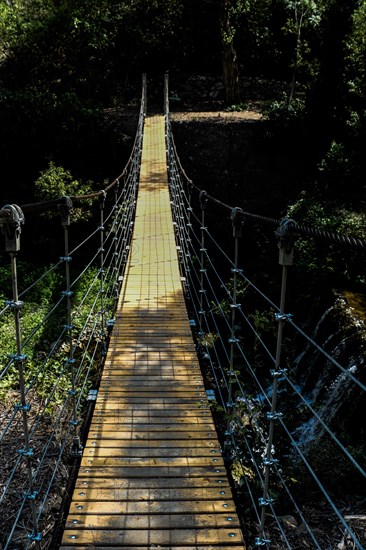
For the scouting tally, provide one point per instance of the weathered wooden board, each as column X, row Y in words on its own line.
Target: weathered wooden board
column 124, row 538
column 152, row 483
column 152, row 507
column 167, row 471
column 156, row 521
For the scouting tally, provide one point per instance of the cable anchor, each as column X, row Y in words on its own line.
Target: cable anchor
column 283, row 316
column 269, row 461
column 19, row 358
column 18, row 304
column 259, row 541
column 19, row 407
column 203, row 198
column 286, row 240
column 65, row 210
column 31, row 496
column 74, row 422
column 11, row 220
column 76, row 447
column 265, row 501
column 237, row 219
column 278, row 373
column 36, row 537
column 274, row 416
column 23, row 452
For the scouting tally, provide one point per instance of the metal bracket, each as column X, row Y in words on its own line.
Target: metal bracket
column 11, row 220
column 76, row 448
column 278, row 373
column 265, row 501
column 31, row 496
column 65, row 211
column 19, row 358
column 23, row 452
column 269, row 461
column 237, row 218
column 286, row 239
column 102, row 198
column 274, row 416
column 283, row 316
column 20, row 407
column 203, row 198
column 14, row 304
column 92, row 395
column 36, row 537
column 259, row 541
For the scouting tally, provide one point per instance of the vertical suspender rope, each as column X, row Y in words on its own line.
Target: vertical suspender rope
column 286, row 241
column 237, row 222
column 101, row 273
column 115, row 239
column 203, row 204
column 65, row 211
column 116, row 258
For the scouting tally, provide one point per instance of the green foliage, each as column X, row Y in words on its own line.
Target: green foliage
column 325, row 261
column 335, row 163
column 282, row 114
column 34, row 321
column 42, row 293
column 56, row 182
column 237, row 107
column 356, row 52
column 305, row 15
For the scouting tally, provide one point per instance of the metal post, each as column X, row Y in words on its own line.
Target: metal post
column 203, row 203
column 11, row 221
column 286, row 248
column 190, row 191
column 102, row 199
column 237, row 219
column 144, row 94
column 166, row 94
column 115, row 238
column 65, row 212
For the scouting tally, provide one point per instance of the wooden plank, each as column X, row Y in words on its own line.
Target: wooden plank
column 155, row 494
column 181, row 471
column 152, row 416
column 138, row 452
column 151, row 462
column 125, row 538
column 152, row 507
column 102, row 547
column 152, row 483
column 149, row 436
column 157, row 521
column 106, row 406
column 151, row 444
column 102, row 427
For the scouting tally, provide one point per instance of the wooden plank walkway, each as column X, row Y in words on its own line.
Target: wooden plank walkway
column 152, row 475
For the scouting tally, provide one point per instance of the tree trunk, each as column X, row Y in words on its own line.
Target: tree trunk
column 231, row 73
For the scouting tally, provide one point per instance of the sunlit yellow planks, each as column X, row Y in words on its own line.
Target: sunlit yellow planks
column 152, row 474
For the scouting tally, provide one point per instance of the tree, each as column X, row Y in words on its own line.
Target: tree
column 304, row 14
column 356, row 53
column 231, row 13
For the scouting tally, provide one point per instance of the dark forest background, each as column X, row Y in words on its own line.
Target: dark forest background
column 65, row 65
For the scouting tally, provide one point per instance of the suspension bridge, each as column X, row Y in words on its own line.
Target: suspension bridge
column 146, row 405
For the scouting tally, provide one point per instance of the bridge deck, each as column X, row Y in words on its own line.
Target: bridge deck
column 152, row 474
